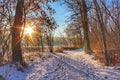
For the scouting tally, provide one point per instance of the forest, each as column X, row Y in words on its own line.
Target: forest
column 59, row 39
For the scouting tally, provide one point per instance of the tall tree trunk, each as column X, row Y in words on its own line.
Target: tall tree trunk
column 81, row 43
column 16, row 32
column 51, row 42
column 84, row 19
column 41, row 41
column 101, row 23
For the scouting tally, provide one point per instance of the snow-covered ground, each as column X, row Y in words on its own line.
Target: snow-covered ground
column 72, row 65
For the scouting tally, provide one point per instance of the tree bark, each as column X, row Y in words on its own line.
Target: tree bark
column 16, row 32
column 81, row 43
column 41, row 41
column 84, row 19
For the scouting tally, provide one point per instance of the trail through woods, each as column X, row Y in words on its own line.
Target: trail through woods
column 70, row 65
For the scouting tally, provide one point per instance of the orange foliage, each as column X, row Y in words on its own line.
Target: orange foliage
column 114, row 57
column 59, row 50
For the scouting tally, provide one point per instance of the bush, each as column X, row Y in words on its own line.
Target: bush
column 70, row 47
column 1, row 59
column 59, row 50
column 114, row 57
column 99, row 56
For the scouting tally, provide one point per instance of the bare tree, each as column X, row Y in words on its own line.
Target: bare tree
column 80, row 9
column 102, row 25
column 84, row 20
column 16, row 32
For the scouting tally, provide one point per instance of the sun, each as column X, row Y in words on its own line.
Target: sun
column 28, row 30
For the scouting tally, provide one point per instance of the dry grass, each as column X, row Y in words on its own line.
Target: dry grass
column 60, row 50
column 114, row 57
column 1, row 59
column 31, row 56
column 70, row 47
column 99, row 56
column 65, row 48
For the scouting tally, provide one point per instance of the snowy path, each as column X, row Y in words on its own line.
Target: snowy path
column 92, row 70
column 73, row 65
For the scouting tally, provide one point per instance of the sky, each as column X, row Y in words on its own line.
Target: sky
column 60, row 16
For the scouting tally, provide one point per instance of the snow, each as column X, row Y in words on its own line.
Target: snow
column 70, row 65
